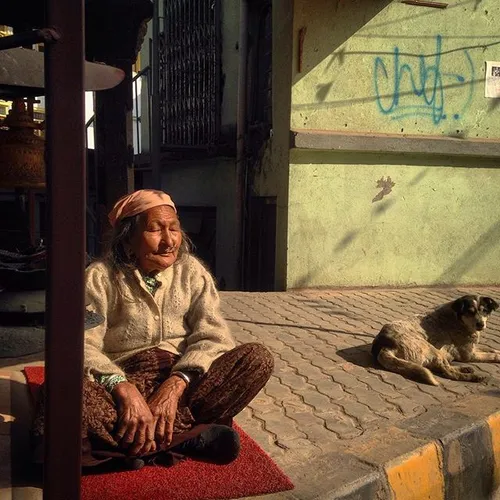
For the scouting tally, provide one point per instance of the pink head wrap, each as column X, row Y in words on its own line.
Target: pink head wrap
column 138, row 202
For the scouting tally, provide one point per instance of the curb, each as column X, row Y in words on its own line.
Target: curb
column 448, row 453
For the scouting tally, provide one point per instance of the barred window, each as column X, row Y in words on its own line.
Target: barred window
column 190, row 74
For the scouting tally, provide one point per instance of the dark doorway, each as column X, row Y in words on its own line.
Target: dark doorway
column 260, row 233
column 200, row 225
column 261, row 246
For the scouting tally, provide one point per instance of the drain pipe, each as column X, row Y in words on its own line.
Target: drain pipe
column 154, row 129
column 241, row 164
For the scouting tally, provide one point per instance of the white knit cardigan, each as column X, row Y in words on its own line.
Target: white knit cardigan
column 183, row 317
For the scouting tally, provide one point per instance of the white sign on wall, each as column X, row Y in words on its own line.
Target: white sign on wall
column 492, row 79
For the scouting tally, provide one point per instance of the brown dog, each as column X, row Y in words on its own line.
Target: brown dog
column 427, row 343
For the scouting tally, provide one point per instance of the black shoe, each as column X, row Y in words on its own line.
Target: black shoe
column 219, row 444
column 134, row 463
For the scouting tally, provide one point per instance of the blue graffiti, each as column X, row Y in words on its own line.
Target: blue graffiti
column 427, row 82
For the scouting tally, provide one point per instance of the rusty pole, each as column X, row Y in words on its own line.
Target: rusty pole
column 66, row 191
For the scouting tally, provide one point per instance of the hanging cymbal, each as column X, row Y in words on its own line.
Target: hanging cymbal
column 24, row 68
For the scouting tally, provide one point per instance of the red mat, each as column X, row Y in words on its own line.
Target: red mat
column 252, row 473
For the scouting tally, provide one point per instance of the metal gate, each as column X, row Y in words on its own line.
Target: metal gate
column 190, row 74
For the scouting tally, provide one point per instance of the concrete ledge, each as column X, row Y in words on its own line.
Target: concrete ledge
column 393, row 143
column 451, row 454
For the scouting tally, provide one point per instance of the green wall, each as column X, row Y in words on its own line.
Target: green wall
column 382, row 66
column 439, row 225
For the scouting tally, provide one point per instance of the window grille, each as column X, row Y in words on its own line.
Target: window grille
column 190, row 74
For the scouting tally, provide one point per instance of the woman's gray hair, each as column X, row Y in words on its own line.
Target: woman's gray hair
column 119, row 253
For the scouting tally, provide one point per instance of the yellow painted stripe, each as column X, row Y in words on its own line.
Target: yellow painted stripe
column 418, row 475
column 493, row 422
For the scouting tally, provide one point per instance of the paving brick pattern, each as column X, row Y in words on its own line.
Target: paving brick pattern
column 325, row 387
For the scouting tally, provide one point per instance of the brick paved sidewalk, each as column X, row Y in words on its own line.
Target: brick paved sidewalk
column 326, row 390
column 326, row 396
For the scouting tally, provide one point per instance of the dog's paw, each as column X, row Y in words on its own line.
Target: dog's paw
column 479, row 378
column 466, row 369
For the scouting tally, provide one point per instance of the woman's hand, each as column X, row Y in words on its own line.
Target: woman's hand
column 135, row 421
column 163, row 404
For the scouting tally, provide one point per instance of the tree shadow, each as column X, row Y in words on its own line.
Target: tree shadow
column 349, row 237
column 381, row 208
column 419, row 177
column 426, row 13
column 493, row 105
column 322, row 91
column 472, row 255
column 377, row 211
column 304, row 327
column 482, row 46
column 343, row 22
column 340, row 103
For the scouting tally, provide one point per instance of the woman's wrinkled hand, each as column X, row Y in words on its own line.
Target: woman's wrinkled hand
column 136, row 425
column 163, row 404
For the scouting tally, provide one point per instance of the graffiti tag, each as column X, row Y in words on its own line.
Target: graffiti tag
column 404, row 89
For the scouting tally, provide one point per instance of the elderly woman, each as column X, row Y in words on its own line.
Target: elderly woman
column 162, row 373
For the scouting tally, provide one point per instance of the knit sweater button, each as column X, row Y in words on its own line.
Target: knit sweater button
column 157, row 317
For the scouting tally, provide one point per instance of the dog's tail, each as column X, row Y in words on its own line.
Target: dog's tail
column 390, row 361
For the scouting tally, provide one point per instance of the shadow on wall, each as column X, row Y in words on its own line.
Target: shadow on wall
column 352, row 19
column 345, row 241
column 419, row 177
column 493, row 105
column 475, row 253
column 399, row 77
column 428, row 13
column 380, row 208
column 350, row 236
column 362, row 159
column 463, row 133
column 321, row 40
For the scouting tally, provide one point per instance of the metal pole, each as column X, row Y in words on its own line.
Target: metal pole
column 155, row 99
column 66, row 191
column 241, row 120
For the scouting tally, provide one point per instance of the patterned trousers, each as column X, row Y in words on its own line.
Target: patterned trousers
column 232, row 381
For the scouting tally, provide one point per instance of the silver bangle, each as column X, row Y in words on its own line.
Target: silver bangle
column 182, row 375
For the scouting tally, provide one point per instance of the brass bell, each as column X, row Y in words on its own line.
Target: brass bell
column 22, row 161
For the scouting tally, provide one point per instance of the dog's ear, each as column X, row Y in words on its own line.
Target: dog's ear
column 489, row 304
column 460, row 305
column 463, row 304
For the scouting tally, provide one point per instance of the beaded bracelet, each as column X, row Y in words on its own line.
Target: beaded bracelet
column 111, row 381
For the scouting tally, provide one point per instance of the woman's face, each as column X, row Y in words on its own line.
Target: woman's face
column 158, row 238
